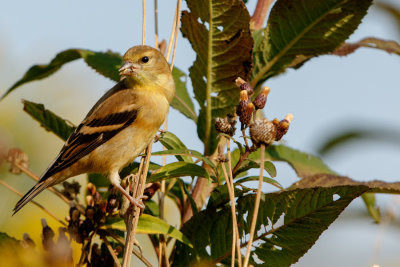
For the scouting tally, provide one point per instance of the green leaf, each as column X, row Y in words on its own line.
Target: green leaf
column 223, row 44
column 6, row 240
column 250, row 164
column 350, row 135
column 178, row 169
column 288, row 225
column 220, row 195
column 182, row 101
column 105, row 63
column 152, row 225
column 189, row 196
column 304, row 28
column 373, row 210
column 186, row 152
column 255, row 178
column 304, row 164
column 171, row 141
column 48, row 120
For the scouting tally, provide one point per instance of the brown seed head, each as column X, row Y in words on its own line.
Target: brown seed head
column 245, row 117
column 244, row 100
column 17, row 157
column 222, row 125
column 261, row 99
column 283, row 126
column 263, row 132
column 244, row 86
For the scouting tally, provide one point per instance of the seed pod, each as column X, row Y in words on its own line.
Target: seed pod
column 245, row 117
column 47, row 236
column 261, row 99
column 17, row 157
column 263, row 132
column 27, row 242
column 223, row 126
column 244, row 100
column 243, row 85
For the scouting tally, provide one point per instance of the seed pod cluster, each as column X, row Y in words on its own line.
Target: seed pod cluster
column 71, row 189
column 266, row 132
column 246, row 108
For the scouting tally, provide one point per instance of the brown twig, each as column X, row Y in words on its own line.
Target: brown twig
column 111, row 250
column 156, row 23
column 178, row 19
column 33, row 202
column 256, row 206
column 173, row 30
column 134, row 251
column 259, row 15
column 134, row 212
column 235, row 224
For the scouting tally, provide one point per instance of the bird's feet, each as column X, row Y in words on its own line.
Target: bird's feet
column 138, row 201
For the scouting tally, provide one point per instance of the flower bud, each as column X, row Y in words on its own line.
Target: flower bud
column 245, row 117
column 283, row 127
column 261, row 99
column 244, row 100
column 244, row 86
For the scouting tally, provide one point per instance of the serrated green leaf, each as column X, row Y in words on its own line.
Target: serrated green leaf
column 220, row 195
column 152, row 225
column 48, row 120
column 178, row 169
column 289, row 223
column 250, row 164
column 182, row 101
column 105, row 63
column 304, row 164
column 304, row 28
column 223, row 44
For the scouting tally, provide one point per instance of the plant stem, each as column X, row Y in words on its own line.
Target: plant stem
column 256, row 206
column 178, row 19
column 144, row 23
column 33, row 202
column 112, row 252
column 235, row 225
column 156, row 23
column 134, row 212
column 259, row 15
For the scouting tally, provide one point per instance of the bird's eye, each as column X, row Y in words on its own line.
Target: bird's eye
column 145, row 59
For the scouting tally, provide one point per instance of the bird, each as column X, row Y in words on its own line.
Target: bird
column 119, row 126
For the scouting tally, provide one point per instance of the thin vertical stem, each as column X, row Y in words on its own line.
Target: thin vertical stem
column 171, row 37
column 235, row 225
column 111, row 250
column 256, row 206
column 178, row 20
column 144, row 23
column 156, row 23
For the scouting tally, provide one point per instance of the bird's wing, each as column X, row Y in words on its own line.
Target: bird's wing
column 115, row 111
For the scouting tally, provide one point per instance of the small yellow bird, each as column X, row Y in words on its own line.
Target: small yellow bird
column 118, row 127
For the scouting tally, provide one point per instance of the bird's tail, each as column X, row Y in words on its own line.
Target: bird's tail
column 39, row 187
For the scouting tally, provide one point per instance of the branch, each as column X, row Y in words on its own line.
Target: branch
column 259, row 15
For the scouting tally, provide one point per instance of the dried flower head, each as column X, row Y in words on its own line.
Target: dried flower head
column 263, row 132
column 261, row 99
column 223, row 125
column 17, row 157
column 283, row 126
column 244, row 86
column 245, row 117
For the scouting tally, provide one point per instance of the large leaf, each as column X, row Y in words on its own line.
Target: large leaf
column 349, row 135
column 304, row 164
column 178, row 169
column 152, row 225
column 182, row 101
column 48, row 120
column 171, row 141
column 218, row 31
column 304, row 28
column 105, row 63
column 288, row 225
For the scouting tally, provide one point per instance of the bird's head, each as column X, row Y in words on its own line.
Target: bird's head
column 146, row 66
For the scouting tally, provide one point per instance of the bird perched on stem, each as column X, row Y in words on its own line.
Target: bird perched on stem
column 118, row 127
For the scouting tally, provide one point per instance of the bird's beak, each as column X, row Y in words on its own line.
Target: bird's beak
column 129, row 69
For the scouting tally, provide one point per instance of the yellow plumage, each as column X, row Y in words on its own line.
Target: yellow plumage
column 119, row 126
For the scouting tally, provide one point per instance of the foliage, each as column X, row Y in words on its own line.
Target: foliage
column 290, row 220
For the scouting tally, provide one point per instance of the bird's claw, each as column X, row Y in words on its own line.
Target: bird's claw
column 138, row 201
